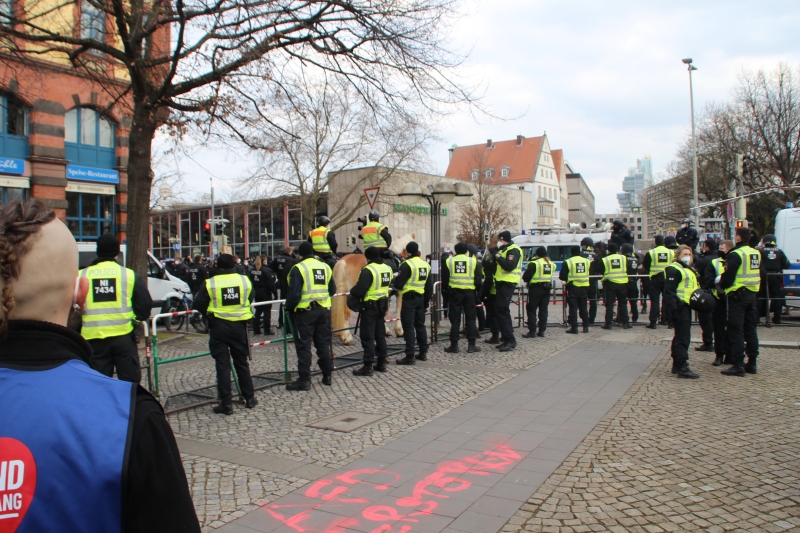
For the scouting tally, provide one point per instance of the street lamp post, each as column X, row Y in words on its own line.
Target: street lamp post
column 443, row 192
column 691, row 67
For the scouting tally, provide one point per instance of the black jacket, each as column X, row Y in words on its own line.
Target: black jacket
column 295, row 290
column 203, row 299
column 622, row 236
column 688, row 236
column 702, row 264
column 263, row 282
column 281, row 266
column 198, row 274
column 140, row 299
column 404, row 274
column 157, row 497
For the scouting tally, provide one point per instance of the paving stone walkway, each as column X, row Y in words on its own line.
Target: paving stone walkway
column 472, row 468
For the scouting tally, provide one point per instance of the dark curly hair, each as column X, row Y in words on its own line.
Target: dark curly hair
column 19, row 222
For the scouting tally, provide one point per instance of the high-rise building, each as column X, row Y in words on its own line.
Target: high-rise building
column 631, row 199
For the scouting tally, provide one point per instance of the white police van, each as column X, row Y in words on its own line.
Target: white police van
column 558, row 241
column 163, row 286
column 787, row 235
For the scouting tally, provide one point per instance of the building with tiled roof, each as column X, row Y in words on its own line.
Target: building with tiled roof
column 528, row 163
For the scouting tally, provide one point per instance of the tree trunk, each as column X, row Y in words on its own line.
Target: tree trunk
column 140, row 180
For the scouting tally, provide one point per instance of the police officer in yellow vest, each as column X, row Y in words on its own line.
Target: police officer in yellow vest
column 117, row 297
column 538, row 276
column 308, row 301
column 614, row 270
column 575, row 274
column 324, row 241
column 226, row 299
column 654, row 263
column 415, row 285
column 375, row 234
column 461, row 277
column 681, row 283
column 719, row 315
column 741, row 281
column 506, row 277
column 372, row 288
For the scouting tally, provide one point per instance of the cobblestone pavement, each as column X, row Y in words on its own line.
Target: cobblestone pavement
column 714, row 454
column 224, row 491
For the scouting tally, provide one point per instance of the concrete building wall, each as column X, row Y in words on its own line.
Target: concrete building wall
column 581, row 200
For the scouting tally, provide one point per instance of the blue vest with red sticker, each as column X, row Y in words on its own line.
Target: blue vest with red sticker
column 64, row 435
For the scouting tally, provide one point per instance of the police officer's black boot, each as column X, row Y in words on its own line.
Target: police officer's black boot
column 300, row 385
column 252, row 402
column 627, row 325
column 422, row 356
column 223, row 409
column 494, row 339
column 472, row 348
column 381, row 365
column 574, row 330
column 651, row 325
column 407, row 360
column 530, row 335
column 586, row 328
column 735, row 370
column 750, row 367
column 605, row 326
column 776, row 318
column 705, row 348
column 718, row 361
column 453, row 348
column 685, row 373
column 327, row 379
column 365, row 370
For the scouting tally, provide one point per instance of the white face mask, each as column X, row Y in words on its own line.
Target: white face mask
column 686, row 260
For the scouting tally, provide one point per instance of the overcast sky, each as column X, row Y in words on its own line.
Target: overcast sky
column 603, row 79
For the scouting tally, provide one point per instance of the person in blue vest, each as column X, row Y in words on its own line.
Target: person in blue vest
column 80, row 451
column 117, row 297
column 372, row 289
column 227, row 300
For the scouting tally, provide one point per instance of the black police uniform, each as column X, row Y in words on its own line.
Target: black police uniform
column 120, row 352
column 311, row 325
column 372, row 316
column 228, row 340
column 445, row 294
column 633, row 286
column 412, row 314
column 742, row 324
column 680, row 315
column 614, row 293
column 591, row 291
column 577, row 299
column 487, row 297
column 621, row 235
column 688, row 236
column 179, row 270
column 538, row 299
column 462, row 301
column 719, row 317
column 264, row 286
column 281, row 266
column 505, row 293
column 774, row 261
column 706, row 319
column 198, row 274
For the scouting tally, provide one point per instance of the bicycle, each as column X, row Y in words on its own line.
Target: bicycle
column 198, row 321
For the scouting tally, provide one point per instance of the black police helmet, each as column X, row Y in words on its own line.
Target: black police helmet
column 670, row 241
column 702, row 301
column 617, row 222
column 686, row 221
column 587, row 241
column 374, row 215
column 323, row 220
column 626, row 249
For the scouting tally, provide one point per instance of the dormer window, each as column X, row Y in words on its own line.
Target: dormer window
column 475, row 174
column 504, row 172
column 489, row 173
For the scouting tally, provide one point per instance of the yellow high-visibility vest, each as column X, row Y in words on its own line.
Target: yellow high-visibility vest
column 544, row 271
column 109, row 305
column 688, row 283
column 371, row 233
column 420, row 270
column 230, row 297
column 578, row 274
column 748, row 275
column 381, row 279
column 316, row 278
column 616, row 270
column 501, row 274
column 462, row 271
column 319, row 240
column 660, row 258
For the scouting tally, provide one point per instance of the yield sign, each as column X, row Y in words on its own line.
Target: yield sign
column 372, row 194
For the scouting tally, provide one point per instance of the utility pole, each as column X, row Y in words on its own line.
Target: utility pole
column 213, row 220
column 691, row 67
column 741, row 203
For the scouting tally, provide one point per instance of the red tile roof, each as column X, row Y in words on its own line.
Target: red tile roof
column 558, row 160
column 521, row 160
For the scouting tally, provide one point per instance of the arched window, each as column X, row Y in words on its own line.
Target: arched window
column 13, row 127
column 89, row 138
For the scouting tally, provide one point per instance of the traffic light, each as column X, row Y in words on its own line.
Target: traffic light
column 739, row 223
column 207, row 232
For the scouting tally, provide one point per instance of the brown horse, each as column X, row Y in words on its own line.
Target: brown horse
column 345, row 275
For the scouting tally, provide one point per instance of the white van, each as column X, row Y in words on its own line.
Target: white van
column 162, row 285
column 787, row 235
